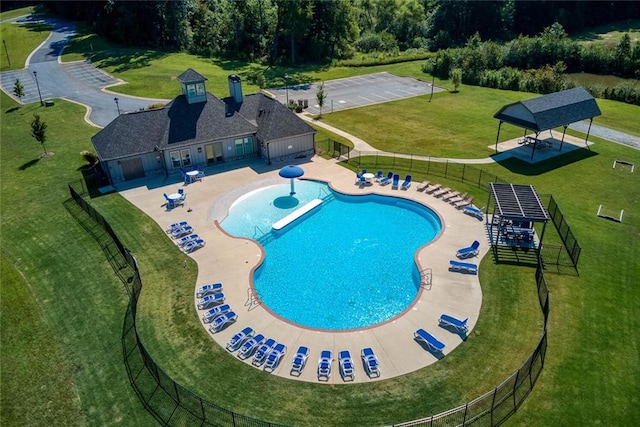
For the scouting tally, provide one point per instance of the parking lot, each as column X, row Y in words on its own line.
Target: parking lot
column 352, row 92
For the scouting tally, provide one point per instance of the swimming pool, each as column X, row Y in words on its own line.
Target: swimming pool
column 348, row 264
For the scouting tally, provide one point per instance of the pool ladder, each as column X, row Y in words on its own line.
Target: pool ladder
column 325, row 196
column 425, row 278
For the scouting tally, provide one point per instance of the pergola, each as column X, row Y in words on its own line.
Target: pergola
column 514, row 210
column 549, row 112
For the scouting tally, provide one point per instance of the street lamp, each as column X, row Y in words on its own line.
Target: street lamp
column 117, row 106
column 286, row 87
column 433, row 77
column 35, row 74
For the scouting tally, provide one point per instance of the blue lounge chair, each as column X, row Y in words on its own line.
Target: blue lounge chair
column 358, row 178
column 406, row 183
column 211, row 288
column 386, row 180
column 370, row 361
column 451, row 322
column 324, row 365
column 274, row 357
column 396, row 181
column 250, row 346
column 469, row 251
column 183, row 195
column 463, row 267
column 238, row 339
column 186, row 239
column 347, row 370
column 214, row 312
column 176, row 225
column 432, row 342
column 263, row 351
column 378, row 176
column 473, row 211
column 193, row 245
column 182, row 231
column 209, row 300
column 299, row 360
column 220, row 322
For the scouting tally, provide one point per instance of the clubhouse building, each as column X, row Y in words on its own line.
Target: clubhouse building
column 198, row 129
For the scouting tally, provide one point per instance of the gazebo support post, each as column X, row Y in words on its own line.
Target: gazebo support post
column 534, row 145
column 563, row 133
column 586, row 139
column 498, row 135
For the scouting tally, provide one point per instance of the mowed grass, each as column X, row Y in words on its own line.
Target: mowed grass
column 18, row 41
column 610, row 34
column 61, row 352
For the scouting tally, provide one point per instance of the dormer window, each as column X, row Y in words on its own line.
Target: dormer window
column 193, row 86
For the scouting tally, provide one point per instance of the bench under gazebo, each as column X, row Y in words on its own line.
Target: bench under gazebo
column 559, row 109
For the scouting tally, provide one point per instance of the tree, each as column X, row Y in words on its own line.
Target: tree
column 321, row 96
column 39, row 131
column 456, row 78
column 18, row 90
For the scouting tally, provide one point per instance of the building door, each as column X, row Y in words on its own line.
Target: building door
column 132, row 168
column 213, row 152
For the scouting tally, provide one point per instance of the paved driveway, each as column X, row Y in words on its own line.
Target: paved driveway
column 77, row 81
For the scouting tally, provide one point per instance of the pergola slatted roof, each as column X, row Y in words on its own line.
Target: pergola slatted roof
column 518, row 202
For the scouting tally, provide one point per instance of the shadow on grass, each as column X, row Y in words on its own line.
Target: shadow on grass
column 28, row 164
column 12, row 109
column 524, row 168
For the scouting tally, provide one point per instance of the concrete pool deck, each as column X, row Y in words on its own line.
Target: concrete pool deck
column 231, row 261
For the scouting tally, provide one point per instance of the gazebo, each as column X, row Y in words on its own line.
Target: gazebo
column 550, row 111
column 514, row 210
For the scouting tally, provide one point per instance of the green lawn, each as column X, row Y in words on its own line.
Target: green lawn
column 18, row 41
column 61, row 275
column 10, row 14
column 610, row 34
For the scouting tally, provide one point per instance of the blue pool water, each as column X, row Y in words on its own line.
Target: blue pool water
column 348, row 264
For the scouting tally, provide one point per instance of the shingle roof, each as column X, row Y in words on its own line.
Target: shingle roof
column 274, row 120
column 191, row 75
column 551, row 111
column 180, row 123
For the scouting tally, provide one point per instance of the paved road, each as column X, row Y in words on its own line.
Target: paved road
column 77, row 81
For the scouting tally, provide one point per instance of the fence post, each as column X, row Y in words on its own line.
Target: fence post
column 446, row 167
column 464, row 166
column 428, row 165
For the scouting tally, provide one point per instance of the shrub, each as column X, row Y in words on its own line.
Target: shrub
column 155, row 106
column 90, row 157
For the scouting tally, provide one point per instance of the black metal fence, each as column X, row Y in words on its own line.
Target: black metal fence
column 495, row 406
column 173, row 405
column 568, row 238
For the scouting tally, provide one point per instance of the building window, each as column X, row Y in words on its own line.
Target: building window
column 200, row 89
column 181, row 158
column 191, row 91
column 243, row 146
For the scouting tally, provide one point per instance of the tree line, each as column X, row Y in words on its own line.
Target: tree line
column 315, row 31
column 539, row 64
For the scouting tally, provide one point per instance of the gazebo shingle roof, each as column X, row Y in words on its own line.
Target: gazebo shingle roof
column 551, row 111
